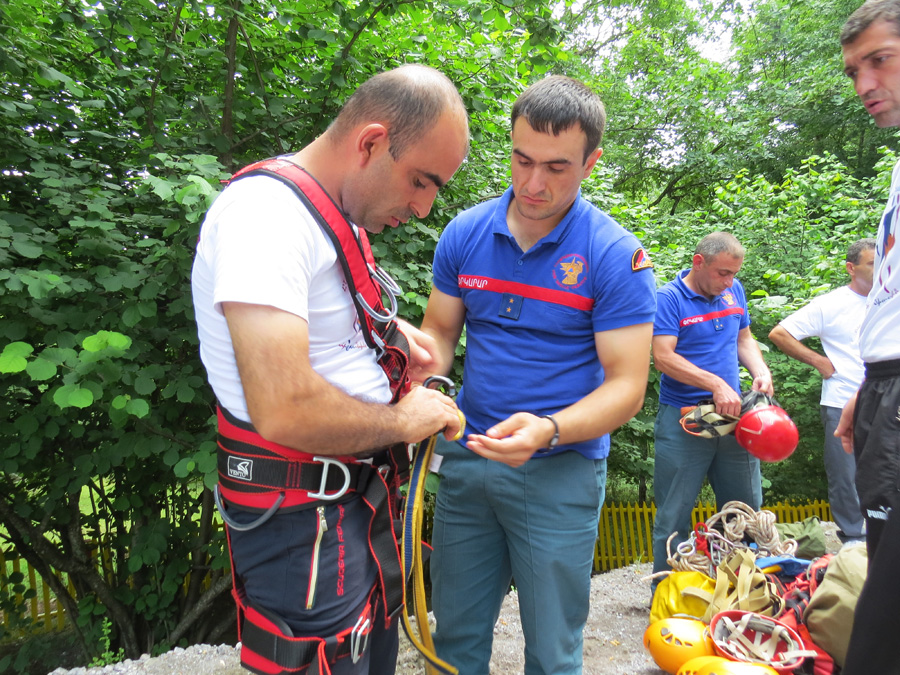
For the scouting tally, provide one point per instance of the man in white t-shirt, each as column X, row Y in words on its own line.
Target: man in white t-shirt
column 870, row 424
column 835, row 319
column 299, row 390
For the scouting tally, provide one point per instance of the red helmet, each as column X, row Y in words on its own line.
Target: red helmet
column 756, row 639
column 767, row 432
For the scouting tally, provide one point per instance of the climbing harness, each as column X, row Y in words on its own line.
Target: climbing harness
column 274, row 477
column 703, row 420
column 411, row 548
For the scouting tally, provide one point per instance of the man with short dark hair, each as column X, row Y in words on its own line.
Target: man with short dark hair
column 835, row 318
column 870, row 424
column 700, row 338
column 557, row 301
column 309, row 416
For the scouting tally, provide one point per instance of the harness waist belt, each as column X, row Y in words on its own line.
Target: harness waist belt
column 253, row 471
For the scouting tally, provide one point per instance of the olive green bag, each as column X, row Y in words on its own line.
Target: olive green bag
column 829, row 614
column 809, row 535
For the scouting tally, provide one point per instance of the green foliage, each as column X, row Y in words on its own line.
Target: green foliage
column 107, row 657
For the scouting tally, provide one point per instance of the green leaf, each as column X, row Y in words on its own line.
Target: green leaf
column 184, row 467
column 144, row 385
column 27, row 249
column 131, row 316
column 81, row 398
column 185, row 393
column 41, row 369
column 18, row 349
column 162, row 188
column 12, row 363
column 96, row 342
column 138, row 407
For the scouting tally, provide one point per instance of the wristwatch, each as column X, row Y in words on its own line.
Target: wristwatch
column 555, row 439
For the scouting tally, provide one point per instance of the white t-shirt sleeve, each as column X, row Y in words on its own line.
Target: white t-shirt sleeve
column 265, row 247
column 808, row 321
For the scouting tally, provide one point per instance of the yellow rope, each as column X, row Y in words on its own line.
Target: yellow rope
column 423, row 643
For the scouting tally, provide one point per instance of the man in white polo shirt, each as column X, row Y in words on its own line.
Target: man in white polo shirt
column 835, row 319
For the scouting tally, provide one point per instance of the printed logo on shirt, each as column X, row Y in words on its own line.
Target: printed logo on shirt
column 570, row 271
column 712, row 316
column 883, row 248
column 729, row 298
column 640, row 261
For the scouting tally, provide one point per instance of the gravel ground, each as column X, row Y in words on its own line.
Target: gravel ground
column 620, row 606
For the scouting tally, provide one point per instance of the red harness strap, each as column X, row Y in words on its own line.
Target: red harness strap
column 364, row 280
column 254, row 472
column 268, row 646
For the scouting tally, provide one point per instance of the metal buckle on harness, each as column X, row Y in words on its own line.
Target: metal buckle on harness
column 328, row 496
column 359, row 637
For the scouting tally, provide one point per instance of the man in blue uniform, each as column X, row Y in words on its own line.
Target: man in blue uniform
column 558, row 303
column 701, row 335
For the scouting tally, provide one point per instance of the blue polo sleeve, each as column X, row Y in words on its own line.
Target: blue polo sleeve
column 738, row 289
column 668, row 316
column 445, row 268
column 623, row 295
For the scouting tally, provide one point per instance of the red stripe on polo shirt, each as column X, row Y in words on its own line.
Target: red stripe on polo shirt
column 535, row 292
column 700, row 318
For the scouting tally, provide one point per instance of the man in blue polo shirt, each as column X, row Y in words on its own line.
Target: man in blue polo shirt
column 558, row 303
column 700, row 336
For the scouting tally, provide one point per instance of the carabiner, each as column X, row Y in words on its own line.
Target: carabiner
column 440, row 380
column 386, row 285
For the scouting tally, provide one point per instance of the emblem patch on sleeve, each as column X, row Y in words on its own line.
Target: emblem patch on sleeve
column 640, row 260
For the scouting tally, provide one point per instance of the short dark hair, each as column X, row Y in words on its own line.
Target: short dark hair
column 408, row 100
column 870, row 12
column 556, row 103
column 719, row 242
column 857, row 247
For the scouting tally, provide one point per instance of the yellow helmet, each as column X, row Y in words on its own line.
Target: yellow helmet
column 672, row 642
column 699, row 664
column 728, row 667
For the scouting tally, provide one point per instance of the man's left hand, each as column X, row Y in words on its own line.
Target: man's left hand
column 423, row 351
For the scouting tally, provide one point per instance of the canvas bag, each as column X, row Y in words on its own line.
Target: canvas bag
column 829, row 614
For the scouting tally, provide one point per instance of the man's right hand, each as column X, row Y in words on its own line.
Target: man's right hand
column 825, row 368
column 844, row 429
column 424, row 412
column 727, row 400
